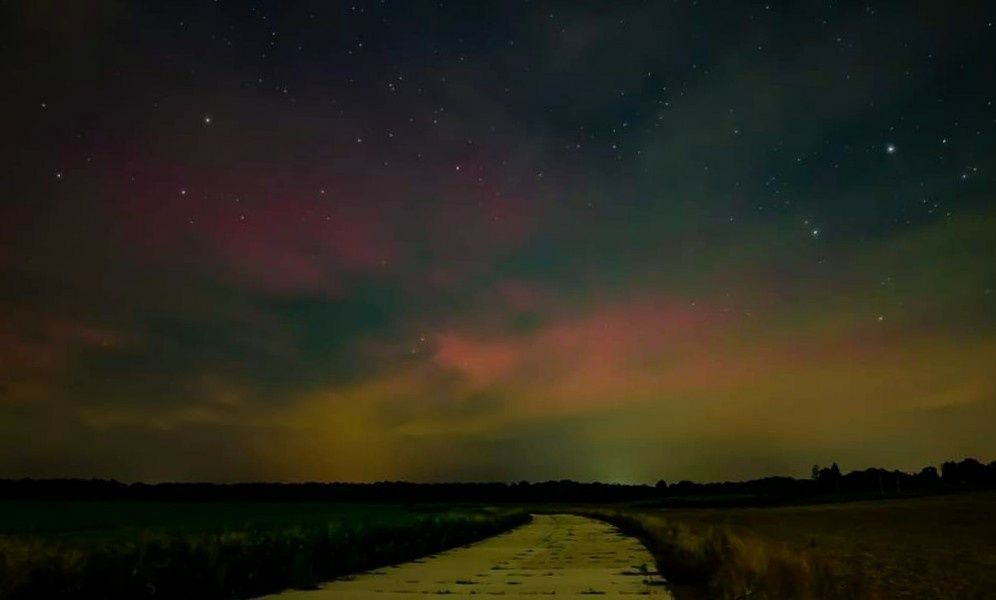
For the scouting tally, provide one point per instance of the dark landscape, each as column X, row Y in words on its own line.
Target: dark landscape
column 832, row 536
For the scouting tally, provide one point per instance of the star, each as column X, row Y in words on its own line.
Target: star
column 815, row 233
column 207, row 119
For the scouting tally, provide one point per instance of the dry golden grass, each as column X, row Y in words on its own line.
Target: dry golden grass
column 940, row 547
column 935, row 547
column 706, row 560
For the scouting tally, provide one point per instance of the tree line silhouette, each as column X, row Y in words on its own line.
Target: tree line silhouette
column 825, row 483
column 829, row 484
column 395, row 492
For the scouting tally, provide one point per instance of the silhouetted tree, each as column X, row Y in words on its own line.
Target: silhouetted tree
column 829, row 478
column 835, row 475
column 968, row 473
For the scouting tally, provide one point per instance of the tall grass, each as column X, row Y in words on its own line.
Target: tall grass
column 230, row 564
column 730, row 564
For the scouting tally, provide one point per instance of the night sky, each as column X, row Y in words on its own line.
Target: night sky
column 469, row 240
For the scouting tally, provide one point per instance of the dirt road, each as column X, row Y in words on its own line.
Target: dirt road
column 555, row 555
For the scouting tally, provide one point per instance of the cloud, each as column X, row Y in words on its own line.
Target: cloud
column 619, row 281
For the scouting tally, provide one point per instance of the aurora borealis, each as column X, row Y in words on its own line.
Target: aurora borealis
column 495, row 240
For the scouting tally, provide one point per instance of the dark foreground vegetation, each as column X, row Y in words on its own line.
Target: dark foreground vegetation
column 939, row 547
column 274, row 548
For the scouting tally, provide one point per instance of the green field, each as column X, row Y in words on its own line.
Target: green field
column 124, row 518
column 135, row 550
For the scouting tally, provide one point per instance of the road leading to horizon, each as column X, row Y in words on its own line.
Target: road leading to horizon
column 554, row 555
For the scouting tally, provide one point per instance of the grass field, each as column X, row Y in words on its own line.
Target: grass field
column 135, row 550
column 125, row 518
column 932, row 547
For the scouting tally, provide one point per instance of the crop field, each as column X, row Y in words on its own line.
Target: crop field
column 137, row 550
column 117, row 518
column 932, row 547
